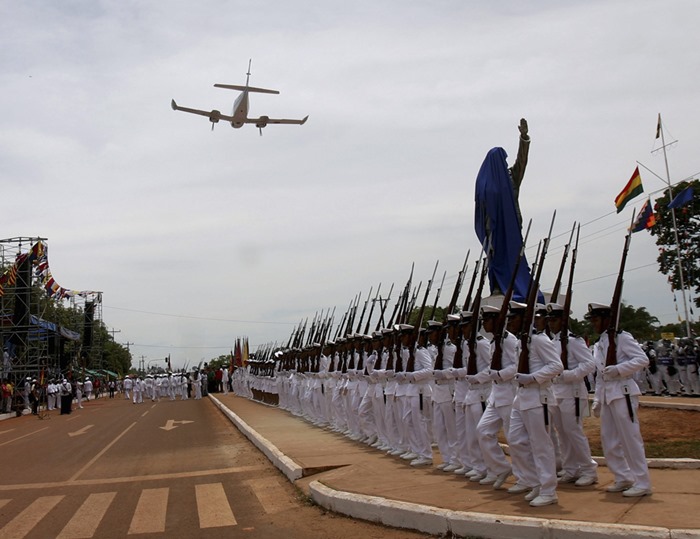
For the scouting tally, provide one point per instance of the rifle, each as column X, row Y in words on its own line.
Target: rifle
column 554, row 296
column 564, row 331
column 437, row 297
column 526, row 328
column 364, row 309
column 419, row 322
column 468, row 299
column 458, row 288
column 497, row 357
column 471, row 362
column 369, row 318
column 380, row 322
column 611, row 358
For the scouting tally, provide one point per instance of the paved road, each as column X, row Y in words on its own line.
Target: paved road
column 165, row 469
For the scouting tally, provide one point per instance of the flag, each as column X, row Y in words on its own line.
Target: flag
column 646, row 218
column 658, row 127
column 632, row 189
column 682, row 198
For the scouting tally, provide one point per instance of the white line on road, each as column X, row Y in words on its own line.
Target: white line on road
column 20, row 437
column 87, row 518
column 92, row 461
column 213, row 507
column 149, row 516
column 23, row 523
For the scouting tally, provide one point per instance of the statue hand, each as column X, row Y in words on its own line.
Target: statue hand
column 523, row 128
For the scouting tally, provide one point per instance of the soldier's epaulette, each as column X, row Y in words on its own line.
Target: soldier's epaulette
column 573, row 336
column 539, row 332
column 480, row 337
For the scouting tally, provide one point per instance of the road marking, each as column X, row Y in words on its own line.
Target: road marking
column 87, row 518
column 6, row 431
column 171, row 424
column 143, row 414
column 213, row 507
column 267, row 491
column 20, row 437
column 149, row 516
column 135, row 478
column 81, row 431
column 23, row 523
column 92, row 461
column 4, row 502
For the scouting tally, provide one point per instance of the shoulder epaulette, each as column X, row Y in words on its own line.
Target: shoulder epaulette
column 480, row 337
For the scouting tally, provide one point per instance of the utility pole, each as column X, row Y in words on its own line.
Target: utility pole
column 113, row 331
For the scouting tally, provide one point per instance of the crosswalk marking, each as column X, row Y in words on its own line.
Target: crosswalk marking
column 213, row 507
column 23, row 523
column 88, row 517
column 149, row 516
column 267, row 491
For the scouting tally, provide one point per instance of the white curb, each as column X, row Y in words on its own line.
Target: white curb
column 466, row 523
column 286, row 465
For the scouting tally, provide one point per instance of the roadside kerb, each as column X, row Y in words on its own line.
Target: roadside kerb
column 286, row 465
column 467, row 523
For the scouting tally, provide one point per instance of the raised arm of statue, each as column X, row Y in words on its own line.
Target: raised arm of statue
column 517, row 171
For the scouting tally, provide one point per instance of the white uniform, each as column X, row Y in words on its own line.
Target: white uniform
column 474, row 403
column 620, row 435
column 498, row 407
column 569, row 388
column 531, row 448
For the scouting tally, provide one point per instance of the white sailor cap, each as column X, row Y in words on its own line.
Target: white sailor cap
column 540, row 309
column 490, row 311
column 453, row 318
column 377, row 334
column 515, row 308
column 554, row 310
column 597, row 309
column 433, row 325
column 403, row 328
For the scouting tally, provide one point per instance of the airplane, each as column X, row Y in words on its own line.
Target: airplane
column 239, row 116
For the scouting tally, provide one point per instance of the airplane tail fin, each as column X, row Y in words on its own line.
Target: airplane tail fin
column 248, row 88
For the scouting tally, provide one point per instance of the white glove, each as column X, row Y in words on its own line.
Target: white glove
column 595, row 408
column 611, row 372
column 494, row 375
column 566, row 377
column 471, row 378
column 525, row 379
column 411, row 377
column 400, row 376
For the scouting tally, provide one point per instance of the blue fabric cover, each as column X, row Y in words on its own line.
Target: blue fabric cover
column 495, row 213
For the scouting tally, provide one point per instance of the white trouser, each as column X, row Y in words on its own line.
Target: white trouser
column 532, row 451
column 461, row 451
column 418, row 437
column 390, row 423
column 487, row 431
column 622, row 443
column 472, row 416
column 445, row 430
column 365, row 414
column 575, row 450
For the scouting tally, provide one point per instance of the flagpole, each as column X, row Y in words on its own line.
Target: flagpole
column 675, row 228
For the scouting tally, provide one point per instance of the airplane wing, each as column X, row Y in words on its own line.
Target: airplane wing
column 264, row 120
column 213, row 115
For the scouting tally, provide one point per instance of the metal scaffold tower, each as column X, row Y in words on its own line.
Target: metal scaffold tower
column 44, row 328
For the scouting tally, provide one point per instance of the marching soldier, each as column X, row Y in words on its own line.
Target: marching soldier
column 572, row 403
column 498, row 405
column 616, row 402
column 532, row 450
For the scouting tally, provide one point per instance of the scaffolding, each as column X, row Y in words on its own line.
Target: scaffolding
column 35, row 340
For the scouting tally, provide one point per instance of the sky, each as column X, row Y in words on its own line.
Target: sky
column 197, row 237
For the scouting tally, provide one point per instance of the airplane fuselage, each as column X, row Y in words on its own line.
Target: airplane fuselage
column 240, row 110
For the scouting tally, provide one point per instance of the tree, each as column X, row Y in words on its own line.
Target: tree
column 688, row 225
column 642, row 325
